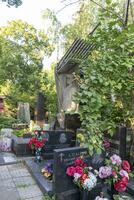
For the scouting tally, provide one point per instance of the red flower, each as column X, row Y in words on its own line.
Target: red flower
column 126, row 165
column 79, row 170
column 125, row 180
column 78, row 162
column 83, row 178
column 121, row 185
column 84, row 165
column 70, row 171
column 35, row 143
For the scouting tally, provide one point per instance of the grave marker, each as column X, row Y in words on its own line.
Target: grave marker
column 62, row 159
column 63, row 185
column 56, row 140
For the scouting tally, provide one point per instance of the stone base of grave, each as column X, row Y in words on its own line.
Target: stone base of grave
column 20, row 146
column 7, row 158
column 130, row 188
column 35, row 170
column 69, row 195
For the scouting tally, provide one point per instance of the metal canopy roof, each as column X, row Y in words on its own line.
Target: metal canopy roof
column 78, row 50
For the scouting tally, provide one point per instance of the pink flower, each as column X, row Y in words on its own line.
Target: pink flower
column 79, row 170
column 123, row 173
column 126, row 165
column 70, row 171
column 114, row 173
column 78, row 162
column 116, row 160
column 106, row 144
column 105, row 171
column 120, row 186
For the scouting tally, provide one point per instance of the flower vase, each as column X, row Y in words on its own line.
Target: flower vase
column 112, row 191
column 84, row 195
column 38, row 155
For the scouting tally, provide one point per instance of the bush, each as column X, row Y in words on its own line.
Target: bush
column 6, row 122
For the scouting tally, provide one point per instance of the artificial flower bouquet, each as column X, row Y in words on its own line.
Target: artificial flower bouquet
column 83, row 176
column 47, row 170
column 37, row 142
column 116, row 172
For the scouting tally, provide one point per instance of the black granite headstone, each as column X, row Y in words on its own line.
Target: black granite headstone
column 72, row 121
column 120, row 142
column 56, row 140
column 63, row 185
column 62, row 159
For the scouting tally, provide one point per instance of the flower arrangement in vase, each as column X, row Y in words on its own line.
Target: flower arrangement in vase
column 36, row 143
column 83, row 176
column 116, row 172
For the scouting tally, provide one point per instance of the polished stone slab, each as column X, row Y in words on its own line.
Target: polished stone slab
column 7, row 158
column 35, row 169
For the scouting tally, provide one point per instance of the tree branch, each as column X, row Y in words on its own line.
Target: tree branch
column 94, row 28
column 67, row 5
column 126, row 14
column 120, row 18
column 132, row 12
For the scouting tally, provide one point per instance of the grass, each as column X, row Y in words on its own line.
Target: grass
column 47, row 197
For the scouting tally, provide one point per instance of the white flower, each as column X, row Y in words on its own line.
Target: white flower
column 96, row 172
column 100, row 198
column 90, row 168
column 76, row 176
column 123, row 173
column 90, row 182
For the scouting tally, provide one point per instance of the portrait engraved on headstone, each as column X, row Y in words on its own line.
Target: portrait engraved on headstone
column 62, row 138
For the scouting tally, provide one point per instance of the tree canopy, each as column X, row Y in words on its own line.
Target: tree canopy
column 22, row 50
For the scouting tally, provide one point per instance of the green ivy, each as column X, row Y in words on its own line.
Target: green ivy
column 105, row 95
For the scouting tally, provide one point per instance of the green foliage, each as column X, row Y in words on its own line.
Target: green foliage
column 122, row 197
column 22, row 50
column 105, row 95
column 49, row 89
column 21, row 132
column 83, row 22
column 46, row 197
column 6, row 122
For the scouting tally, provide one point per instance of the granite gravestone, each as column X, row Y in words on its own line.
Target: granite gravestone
column 62, row 159
column 63, row 185
column 120, row 142
column 56, row 140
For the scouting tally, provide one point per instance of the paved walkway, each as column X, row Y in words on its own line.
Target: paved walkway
column 16, row 183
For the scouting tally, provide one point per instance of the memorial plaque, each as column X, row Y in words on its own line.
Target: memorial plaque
column 62, row 159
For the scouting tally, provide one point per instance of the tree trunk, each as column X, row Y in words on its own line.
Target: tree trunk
column 40, row 110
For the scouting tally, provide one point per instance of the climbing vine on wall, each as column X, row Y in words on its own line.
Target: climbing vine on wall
column 105, row 95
